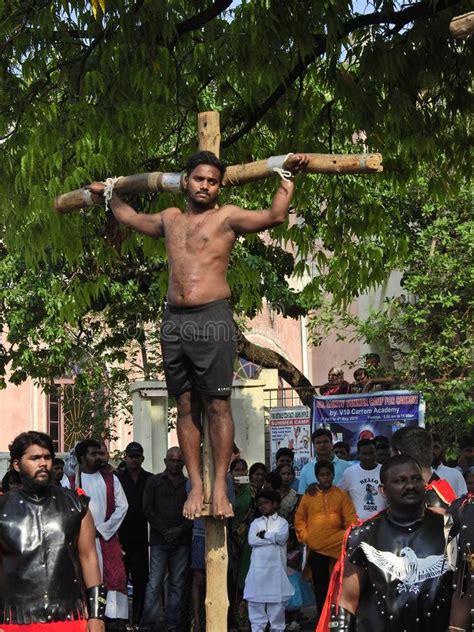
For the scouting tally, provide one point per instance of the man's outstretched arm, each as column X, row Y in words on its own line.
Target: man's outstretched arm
column 145, row 223
column 241, row 221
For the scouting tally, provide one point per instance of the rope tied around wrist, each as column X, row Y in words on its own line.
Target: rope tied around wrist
column 109, row 189
column 284, row 174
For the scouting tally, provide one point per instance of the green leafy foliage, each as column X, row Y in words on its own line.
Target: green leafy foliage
column 84, row 96
column 428, row 331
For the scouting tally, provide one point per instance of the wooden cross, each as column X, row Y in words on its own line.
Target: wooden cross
column 209, row 140
column 158, row 181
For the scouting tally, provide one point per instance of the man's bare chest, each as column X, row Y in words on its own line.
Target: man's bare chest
column 192, row 235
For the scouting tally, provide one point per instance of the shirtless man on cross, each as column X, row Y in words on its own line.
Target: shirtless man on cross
column 197, row 332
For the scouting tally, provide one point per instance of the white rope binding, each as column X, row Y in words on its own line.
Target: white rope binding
column 275, row 163
column 109, row 189
column 87, row 197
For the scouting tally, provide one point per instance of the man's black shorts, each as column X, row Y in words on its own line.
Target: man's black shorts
column 199, row 347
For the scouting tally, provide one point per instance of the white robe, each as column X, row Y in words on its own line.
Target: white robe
column 95, row 488
column 266, row 581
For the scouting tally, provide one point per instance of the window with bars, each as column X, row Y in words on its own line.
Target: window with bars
column 55, row 418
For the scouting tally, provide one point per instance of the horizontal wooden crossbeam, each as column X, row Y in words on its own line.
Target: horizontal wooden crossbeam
column 462, row 25
column 235, row 175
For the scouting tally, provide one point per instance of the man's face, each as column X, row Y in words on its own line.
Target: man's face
column 470, row 482
column 93, row 459
column 372, row 361
column 361, row 377
column 58, row 472
column 257, row 478
column 35, row 465
column 404, row 487
column 437, row 453
column 174, row 462
column 368, row 457
column 323, row 447
column 341, row 452
column 104, row 455
column 203, row 185
column 285, row 459
column 134, row 460
column 468, row 454
column 325, row 478
column 334, row 377
column 383, row 453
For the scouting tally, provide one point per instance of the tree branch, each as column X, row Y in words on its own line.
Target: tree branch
column 399, row 18
column 269, row 359
column 199, row 20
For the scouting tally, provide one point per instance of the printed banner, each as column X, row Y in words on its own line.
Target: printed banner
column 291, row 428
column 367, row 415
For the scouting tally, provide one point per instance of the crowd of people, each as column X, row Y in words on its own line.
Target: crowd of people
column 287, row 537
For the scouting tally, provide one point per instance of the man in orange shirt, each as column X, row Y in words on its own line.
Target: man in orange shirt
column 322, row 517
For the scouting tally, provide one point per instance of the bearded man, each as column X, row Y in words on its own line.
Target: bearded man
column 49, row 572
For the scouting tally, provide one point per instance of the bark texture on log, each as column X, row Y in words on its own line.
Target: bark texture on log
column 157, row 181
column 331, row 164
column 217, row 602
column 462, row 25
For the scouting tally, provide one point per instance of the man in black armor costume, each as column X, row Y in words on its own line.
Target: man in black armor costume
column 396, row 574
column 49, row 573
column 462, row 611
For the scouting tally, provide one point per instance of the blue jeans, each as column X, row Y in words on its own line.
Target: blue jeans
column 175, row 559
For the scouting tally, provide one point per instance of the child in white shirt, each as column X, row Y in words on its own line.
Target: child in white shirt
column 267, row 587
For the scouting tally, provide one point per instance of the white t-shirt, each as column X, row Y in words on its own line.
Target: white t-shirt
column 454, row 478
column 363, row 488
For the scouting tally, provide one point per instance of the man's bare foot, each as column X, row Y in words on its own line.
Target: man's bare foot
column 221, row 507
column 194, row 503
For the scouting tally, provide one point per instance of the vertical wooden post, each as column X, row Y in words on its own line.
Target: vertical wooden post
column 217, row 602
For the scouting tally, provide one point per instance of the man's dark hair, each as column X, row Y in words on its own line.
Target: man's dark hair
column 321, row 432
column 358, row 372
column 285, row 452
column 273, row 479
column 269, row 494
column 466, row 441
column 342, row 444
column 236, row 462
column 82, row 447
column 257, row 466
column 320, row 465
column 372, row 356
column 394, row 461
column 415, row 442
column 437, row 438
column 204, row 158
column 23, row 441
column 381, row 441
column 363, row 442
column 58, row 461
